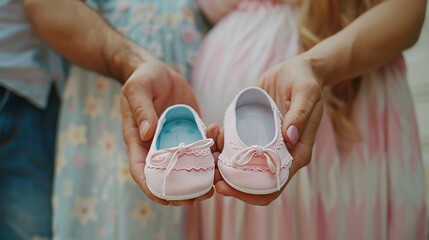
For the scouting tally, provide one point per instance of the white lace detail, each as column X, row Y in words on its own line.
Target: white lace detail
column 276, row 110
column 285, row 164
column 235, row 143
column 198, row 153
column 171, row 155
column 205, row 168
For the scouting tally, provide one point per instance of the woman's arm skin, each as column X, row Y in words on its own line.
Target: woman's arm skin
column 371, row 40
column 82, row 36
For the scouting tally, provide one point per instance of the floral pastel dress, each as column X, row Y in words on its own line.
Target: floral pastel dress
column 94, row 194
column 373, row 189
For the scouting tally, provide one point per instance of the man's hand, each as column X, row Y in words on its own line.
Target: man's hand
column 146, row 94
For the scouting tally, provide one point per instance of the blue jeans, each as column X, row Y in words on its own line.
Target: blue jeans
column 27, row 149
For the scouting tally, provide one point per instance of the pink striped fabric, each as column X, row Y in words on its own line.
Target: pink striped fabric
column 373, row 189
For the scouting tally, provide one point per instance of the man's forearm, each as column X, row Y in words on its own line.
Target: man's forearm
column 82, row 36
column 375, row 37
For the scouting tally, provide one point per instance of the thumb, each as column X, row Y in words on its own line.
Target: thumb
column 141, row 103
column 296, row 118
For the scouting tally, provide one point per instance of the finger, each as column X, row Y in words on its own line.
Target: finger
column 206, row 196
column 182, row 202
column 220, row 140
column 216, row 158
column 213, row 133
column 266, row 78
column 302, row 104
column 140, row 98
column 136, row 150
column 303, row 151
column 218, row 177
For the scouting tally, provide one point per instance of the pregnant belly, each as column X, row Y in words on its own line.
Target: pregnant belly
column 239, row 50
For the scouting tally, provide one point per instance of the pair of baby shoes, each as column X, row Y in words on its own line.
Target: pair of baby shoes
column 254, row 160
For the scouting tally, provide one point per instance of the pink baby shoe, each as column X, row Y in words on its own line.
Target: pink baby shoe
column 255, row 159
column 179, row 164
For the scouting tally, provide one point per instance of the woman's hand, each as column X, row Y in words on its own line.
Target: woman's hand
column 146, row 94
column 298, row 94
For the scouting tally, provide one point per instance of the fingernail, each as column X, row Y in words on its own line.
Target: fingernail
column 292, row 134
column 144, row 127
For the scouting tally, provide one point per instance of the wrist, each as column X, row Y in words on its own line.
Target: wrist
column 318, row 66
column 331, row 59
column 125, row 59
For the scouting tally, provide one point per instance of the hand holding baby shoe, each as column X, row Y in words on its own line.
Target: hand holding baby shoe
column 297, row 91
column 146, row 94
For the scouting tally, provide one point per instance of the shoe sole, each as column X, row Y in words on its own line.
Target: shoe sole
column 251, row 191
column 182, row 197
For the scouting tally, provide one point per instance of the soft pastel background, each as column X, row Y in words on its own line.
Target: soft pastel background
column 418, row 75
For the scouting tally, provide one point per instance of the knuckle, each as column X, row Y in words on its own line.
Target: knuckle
column 265, row 203
column 134, row 172
column 134, row 82
column 304, row 162
column 126, row 88
column 316, row 91
column 140, row 113
column 301, row 115
column 125, row 135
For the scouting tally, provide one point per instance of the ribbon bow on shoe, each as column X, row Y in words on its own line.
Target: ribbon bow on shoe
column 245, row 155
column 174, row 154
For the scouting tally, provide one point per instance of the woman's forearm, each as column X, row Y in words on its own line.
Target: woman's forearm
column 83, row 37
column 375, row 37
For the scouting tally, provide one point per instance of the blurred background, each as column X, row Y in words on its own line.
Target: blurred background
column 418, row 77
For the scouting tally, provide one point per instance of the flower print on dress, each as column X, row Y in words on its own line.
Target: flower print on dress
column 76, row 134
column 172, row 19
column 102, row 84
column 93, row 107
column 67, row 189
column 54, row 206
column 150, row 29
column 106, row 177
column 116, row 109
column 79, row 160
column 101, row 232
column 60, row 163
column 189, row 35
column 70, row 89
column 63, row 140
column 190, row 58
column 107, row 144
column 123, row 5
column 124, row 175
column 84, row 209
column 143, row 13
column 189, row 15
column 142, row 212
column 155, row 48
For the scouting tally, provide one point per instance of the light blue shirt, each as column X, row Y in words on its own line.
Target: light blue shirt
column 27, row 67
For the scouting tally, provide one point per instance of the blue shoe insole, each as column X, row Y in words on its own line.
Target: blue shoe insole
column 179, row 127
